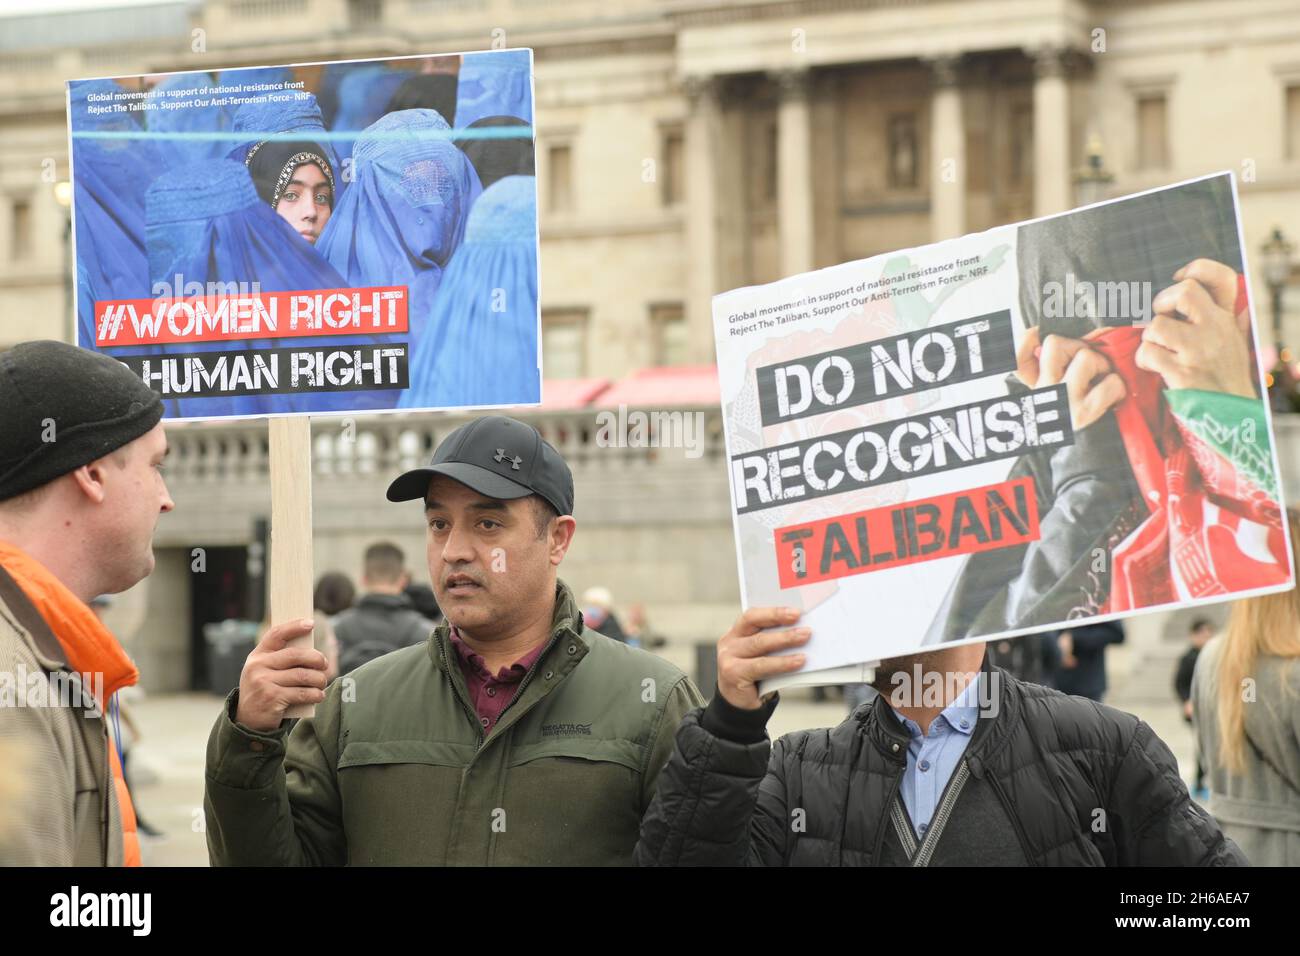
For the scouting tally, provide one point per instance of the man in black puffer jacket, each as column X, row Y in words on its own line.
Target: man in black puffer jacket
column 955, row 763
column 385, row 619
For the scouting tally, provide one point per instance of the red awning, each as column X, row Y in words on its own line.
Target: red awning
column 563, row 394
column 664, row 387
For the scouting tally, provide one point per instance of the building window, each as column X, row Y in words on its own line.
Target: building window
column 1153, row 132
column 668, row 333
column 1293, row 122
column 20, row 231
column 365, row 12
column 904, row 152
column 673, row 164
column 559, row 177
column 564, row 343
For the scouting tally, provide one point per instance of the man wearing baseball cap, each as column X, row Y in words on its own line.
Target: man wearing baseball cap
column 515, row 735
column 81, row 448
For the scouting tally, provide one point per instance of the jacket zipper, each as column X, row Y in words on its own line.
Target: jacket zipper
column 902, row 828
column 523, row 685
column 455, row 688
column 478, row 746
column 941, row 815
column 884, row 817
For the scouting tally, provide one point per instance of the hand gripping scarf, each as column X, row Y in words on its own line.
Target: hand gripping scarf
column 1202, row 460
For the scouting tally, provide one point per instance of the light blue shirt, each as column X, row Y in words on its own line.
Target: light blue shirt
column 932, row 757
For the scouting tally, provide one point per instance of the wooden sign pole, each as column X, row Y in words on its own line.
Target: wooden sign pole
column 291, row 558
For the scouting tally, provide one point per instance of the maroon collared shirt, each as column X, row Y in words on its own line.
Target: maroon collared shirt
column 489, row 693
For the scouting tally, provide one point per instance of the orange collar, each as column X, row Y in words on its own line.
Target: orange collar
column 89, row 646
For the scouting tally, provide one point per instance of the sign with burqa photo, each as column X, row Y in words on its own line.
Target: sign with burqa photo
column 1046, row 424
column 342, row 237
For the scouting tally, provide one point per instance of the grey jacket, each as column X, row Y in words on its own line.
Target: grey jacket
column 1259, row 809
column 61, row 808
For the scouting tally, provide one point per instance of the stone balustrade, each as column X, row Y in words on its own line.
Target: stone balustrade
column 378, row 445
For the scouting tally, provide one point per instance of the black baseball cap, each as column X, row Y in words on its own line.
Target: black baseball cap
column 496, row 456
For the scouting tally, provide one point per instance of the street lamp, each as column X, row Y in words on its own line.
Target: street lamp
column 1092, row 181
column 1276, row 256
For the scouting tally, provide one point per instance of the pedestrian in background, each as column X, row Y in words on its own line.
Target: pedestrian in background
column 1082, row 668
column 1246, row 708
column 384, row 619
column 1198, row 635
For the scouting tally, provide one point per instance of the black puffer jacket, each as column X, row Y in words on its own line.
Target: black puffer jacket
column 378, row 625
column 1071, row 781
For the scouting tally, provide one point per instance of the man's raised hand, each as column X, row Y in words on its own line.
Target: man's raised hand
column 276, row 677
column 746, row 656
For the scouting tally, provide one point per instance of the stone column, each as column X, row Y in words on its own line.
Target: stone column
column 947, row 151
column 794, row 189
column 1051, row 132
column 702, row 136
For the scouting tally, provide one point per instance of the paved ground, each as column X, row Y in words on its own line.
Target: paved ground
column 169, row 759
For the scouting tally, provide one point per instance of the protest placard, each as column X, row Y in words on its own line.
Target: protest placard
column 312, row 239
column 320, row 238
column 1046, row 424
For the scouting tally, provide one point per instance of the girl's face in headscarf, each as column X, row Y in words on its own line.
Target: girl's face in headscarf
column 307, row 201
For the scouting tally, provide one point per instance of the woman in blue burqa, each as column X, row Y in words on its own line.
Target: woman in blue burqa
column 183, row 134
column 481, row 346
column 494, row 83
column 254, row 122
column 109, row 176
column 404, row 214
column 208, row 224
column 364, row 95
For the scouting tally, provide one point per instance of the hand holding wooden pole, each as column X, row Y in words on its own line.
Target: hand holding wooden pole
column 291, row 557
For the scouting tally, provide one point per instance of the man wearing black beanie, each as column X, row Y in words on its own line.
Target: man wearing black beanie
column 81, row 491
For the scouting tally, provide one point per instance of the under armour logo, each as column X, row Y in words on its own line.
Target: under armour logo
column 515, row 462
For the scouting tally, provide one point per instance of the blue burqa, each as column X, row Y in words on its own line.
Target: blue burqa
column 481, row 346
column 255, row 121
column 363, row 98
column 207, row 224
column 405, row 212
column 494, row 83
column 175, row 147
column 110, row 177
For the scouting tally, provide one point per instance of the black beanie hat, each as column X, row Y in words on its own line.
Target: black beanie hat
column 96, row 405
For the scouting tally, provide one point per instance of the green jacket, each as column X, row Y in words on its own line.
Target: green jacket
column 394, row 769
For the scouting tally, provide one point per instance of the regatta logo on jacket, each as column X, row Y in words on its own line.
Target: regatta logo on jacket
column 566, row 730
column 103, row 909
